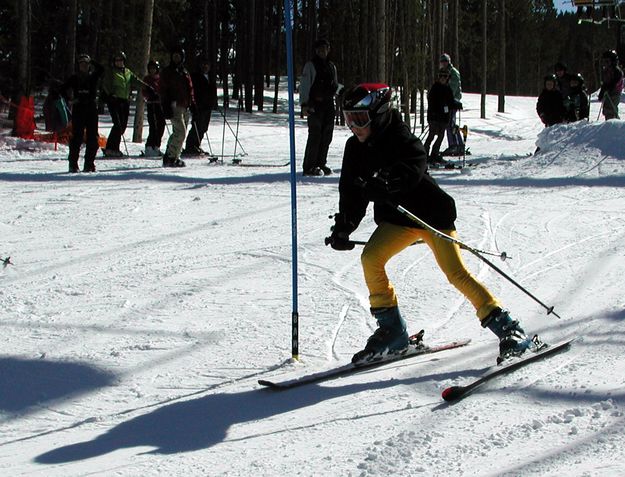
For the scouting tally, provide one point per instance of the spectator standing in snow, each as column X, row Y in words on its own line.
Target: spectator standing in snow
column 156, row 119
column 82, row 90
column 116, row 89
column 578, row 103
column 385, row 163
column 176, row 99
column 205, row 92
column 611, row 84
column 440, row 105
column 563, row 79
column 317, row 89
column 454, row 137
column 550, row 104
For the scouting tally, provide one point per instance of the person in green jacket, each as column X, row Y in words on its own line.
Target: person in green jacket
column 116, row 91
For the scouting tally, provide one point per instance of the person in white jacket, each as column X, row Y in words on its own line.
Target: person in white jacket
column 318, row 86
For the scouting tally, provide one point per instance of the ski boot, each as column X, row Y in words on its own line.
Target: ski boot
column 390, row 337
column 512, row 339
column 89, row 166
column 172, row 161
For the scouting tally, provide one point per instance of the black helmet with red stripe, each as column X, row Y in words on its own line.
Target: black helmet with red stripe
column 367, row 104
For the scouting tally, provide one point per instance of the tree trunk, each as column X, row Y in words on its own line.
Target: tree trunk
column 23, row 51
column 70, row 55
column 382, row 25
column 501, row 105
column 148, row 12
column 484, row 58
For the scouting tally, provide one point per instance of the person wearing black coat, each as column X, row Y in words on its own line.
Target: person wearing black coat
column 205, row 91
column 440, row 106
column 550, row 104
column 579, row 104
column 82, row 90
column 385, row 163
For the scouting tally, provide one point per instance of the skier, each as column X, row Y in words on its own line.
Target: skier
column 318, row 86
column 82, row 90
column 454, row 138
column 550, row 104
column 563, row 79
column 176, row 99
column 440, row 106
column 579, row 105
column 116, row 90
column 385, row 164
column 611, row 84
column 205, row 91
column 156, row 119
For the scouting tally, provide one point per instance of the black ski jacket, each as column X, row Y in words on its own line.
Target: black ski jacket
column 440, row 103
column 396, row 154
column 550, row 107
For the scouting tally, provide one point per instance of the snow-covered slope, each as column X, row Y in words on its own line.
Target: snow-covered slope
column 144, row 303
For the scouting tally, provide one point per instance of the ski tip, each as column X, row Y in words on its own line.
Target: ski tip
column 452, row 393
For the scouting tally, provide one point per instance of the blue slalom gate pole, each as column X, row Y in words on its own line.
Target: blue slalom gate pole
column 289, row 63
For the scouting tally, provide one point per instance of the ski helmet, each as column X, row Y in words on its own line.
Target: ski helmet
column 154, row 64
column 579, row 78
column 610, row 55
column 445, row 58
column 83, row 58
column 120, row 55
column 550, row 78
column 180, row 51
column 367, row 104
column 559, row 66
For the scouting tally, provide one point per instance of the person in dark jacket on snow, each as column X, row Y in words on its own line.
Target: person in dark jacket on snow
column 205, row 91
column 82, row 91
column 385, row 163
column 317, row 88
column 440, row 106
column 176, row 91
column 156, row 119
column 579, row 104
column 550, row 104
column 611, row 84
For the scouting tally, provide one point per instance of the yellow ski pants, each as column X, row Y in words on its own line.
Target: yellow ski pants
column 388, row 240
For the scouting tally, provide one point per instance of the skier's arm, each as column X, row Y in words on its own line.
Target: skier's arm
column 308, row 77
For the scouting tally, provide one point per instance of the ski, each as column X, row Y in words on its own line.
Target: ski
column 350, row 368
column 455, row 393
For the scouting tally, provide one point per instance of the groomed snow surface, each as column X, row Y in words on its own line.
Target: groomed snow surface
column 145, row 303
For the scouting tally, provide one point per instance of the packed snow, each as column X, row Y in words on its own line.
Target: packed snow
column 143, row 304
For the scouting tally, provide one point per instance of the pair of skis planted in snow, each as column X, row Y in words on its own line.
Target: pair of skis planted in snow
column 451, row 394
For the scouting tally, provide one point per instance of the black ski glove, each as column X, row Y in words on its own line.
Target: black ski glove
column 339, row 241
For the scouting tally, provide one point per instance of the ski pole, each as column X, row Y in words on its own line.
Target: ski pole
column 362, row 242
column 236, row 138
column 478, row 253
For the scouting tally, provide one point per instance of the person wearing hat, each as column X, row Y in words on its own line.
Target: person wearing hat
column 563, row 79
column 82, row 90
column 440, row 106
column 156, row 119
column 454, row 137
column 578, row 103
column 611, row 84
column 116, row 87
column 318, row 86
column 176, row 90
column 205, row 91
column 550, row 105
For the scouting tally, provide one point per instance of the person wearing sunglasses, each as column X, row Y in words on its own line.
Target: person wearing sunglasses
column 384, row 163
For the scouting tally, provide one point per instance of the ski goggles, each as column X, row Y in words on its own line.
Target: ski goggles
column 357, row 119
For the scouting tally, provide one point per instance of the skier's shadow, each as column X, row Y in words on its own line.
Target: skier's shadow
column 203, row 422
